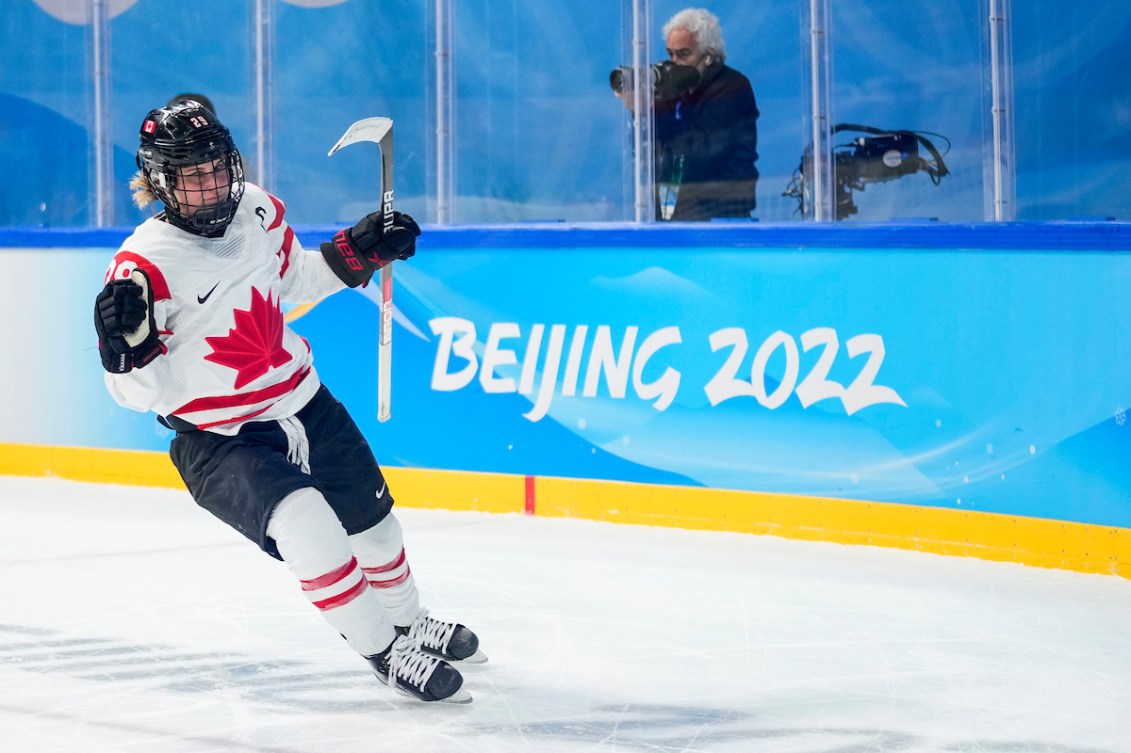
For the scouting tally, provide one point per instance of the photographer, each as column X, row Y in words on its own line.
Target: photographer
column 706, row 124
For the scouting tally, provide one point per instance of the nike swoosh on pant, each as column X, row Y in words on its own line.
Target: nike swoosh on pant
column 381, row 491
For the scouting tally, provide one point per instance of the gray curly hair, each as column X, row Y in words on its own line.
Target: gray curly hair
column 704, row 25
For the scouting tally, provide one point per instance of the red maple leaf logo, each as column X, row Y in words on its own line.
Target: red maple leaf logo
column 255, row 344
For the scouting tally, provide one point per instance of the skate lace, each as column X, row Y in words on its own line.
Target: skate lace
column 410, row 664
column 430, row 632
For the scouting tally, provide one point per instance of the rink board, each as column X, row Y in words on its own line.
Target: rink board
column 957, row 389
column 1003, row 538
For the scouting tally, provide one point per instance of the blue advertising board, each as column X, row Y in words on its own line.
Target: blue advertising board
column 989, row 379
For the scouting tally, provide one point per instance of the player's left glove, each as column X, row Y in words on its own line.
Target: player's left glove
column 356, row 253
column 123, row 319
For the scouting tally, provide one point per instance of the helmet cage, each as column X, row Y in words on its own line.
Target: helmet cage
column 173, row 140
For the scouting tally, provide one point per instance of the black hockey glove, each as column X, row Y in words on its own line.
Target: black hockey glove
column 356, row 253
column 123, row 318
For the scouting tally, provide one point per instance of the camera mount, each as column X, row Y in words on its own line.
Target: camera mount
column 877, row 157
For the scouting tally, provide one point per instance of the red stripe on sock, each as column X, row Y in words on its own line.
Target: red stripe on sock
column 345, row 597
column 330, row 578
column 386, row 568
column 392, row 581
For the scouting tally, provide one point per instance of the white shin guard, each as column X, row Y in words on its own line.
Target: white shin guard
column 315, row 547
column 380, row 550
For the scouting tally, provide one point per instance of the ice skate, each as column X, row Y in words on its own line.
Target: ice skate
column 413, row 672
column 447, row 640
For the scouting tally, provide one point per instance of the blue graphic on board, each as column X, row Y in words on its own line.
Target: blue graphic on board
column 964, row 378
column 946, row 379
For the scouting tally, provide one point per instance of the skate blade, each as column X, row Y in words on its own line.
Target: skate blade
column 475, row 659
column 460, row 696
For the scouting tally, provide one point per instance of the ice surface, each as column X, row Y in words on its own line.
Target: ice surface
column 131, row 620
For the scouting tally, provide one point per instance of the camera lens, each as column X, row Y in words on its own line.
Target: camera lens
column 616, row 80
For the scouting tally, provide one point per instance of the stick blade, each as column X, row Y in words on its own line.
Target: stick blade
column 366, row 129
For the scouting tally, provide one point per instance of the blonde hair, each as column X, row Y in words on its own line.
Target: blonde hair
column 143, row 194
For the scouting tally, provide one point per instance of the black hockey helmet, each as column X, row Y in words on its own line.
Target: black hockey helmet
column 193, row 166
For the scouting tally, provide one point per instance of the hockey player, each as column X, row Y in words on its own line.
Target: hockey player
column 190, row 326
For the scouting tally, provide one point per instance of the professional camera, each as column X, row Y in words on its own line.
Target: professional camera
column 668, row 79
column 876, row 158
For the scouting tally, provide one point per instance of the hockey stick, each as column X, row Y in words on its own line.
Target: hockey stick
column 380, row 131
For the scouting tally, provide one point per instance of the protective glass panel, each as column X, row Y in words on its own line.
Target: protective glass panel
column 46, row 97
column 156, row 54
column 335, row 65
column 1073, row 110
column 707, row 137
column 537, row 131
column 504, row 111
column 907, row 108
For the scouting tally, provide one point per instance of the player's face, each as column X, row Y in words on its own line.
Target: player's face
column 683, row 49
column 200, row 186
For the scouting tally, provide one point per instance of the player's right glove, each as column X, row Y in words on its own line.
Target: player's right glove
column 123, row 318
column 356, row 253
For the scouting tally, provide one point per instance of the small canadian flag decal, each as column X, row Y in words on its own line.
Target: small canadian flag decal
column 150, row 126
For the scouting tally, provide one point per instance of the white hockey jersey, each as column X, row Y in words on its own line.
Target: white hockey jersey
column 228, row 357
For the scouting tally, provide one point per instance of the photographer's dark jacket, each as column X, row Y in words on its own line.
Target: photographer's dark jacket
column 714, row 127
